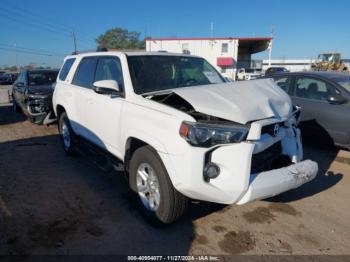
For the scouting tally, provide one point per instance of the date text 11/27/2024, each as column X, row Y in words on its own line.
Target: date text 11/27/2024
column 173, row 258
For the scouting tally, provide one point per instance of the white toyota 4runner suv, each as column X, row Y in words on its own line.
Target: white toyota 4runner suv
column 181, row 132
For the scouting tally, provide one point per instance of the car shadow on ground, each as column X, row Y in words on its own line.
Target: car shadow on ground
column 56, row 204
column 321, row 150
column 7, row 116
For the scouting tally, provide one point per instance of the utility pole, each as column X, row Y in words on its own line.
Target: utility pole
column 270, row 52
column 74, row 42
column 16, row 55
column 270, row 45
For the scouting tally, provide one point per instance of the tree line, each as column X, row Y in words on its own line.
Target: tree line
column 120, row 38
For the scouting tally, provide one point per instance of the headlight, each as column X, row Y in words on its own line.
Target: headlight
column 207, row 135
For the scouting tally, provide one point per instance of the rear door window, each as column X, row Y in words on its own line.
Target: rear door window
column 65, row 68
column 85, row 74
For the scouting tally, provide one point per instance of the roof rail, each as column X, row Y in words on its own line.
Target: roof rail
column 98, row 49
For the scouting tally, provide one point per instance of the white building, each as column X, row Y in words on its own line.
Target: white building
column 227, row 54
column 292, row 65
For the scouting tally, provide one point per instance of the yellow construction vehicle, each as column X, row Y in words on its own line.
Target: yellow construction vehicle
column 329, row 62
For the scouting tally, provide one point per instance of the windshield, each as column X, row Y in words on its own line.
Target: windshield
column 344, row 81
column 42, row 78
column 152, row 73
column 329, row 57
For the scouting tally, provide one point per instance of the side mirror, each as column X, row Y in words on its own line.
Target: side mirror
column 337, row 99
column 106, row 87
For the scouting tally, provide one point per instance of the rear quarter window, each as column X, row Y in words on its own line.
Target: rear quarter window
column 65, row 68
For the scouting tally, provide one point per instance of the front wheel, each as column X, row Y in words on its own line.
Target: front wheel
column 159, row 201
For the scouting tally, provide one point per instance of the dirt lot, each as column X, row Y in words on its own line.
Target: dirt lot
column 54, row 204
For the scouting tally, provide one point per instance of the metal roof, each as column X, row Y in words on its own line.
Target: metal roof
column 254, row 44
column 209, row 38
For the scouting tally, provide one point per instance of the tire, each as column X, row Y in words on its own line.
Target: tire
column 171, row 205
column 67, row 135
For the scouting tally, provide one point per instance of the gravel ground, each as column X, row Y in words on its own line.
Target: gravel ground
column 54, row 204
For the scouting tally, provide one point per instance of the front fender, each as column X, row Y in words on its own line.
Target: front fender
column 148, row 139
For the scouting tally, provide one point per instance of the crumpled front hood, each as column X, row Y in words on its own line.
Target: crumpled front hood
column 239, row 102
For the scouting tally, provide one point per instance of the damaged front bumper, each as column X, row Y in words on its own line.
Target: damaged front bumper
column 244, row 175
column 271, row 183
column 40, row 110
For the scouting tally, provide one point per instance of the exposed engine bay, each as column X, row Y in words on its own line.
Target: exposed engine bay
column 176, row 101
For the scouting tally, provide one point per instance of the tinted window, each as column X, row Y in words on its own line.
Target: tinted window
column 269, row 71
column 312, row 88
column 65, row 69
column 109, row 68
column 38, row 78
column 344, row 81
column 85, row 73
column 155, row 73
column 282, row 82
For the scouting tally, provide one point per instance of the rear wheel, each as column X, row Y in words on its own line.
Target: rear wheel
column 67, row 134
column 159, row 201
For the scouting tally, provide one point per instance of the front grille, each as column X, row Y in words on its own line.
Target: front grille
column 268, row 159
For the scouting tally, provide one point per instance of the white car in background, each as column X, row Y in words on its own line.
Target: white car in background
column 180, row 131
column 248, row 74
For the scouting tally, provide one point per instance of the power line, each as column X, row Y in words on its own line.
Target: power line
column 10, row 5
column 26, row 22
column 41, row 33
column 56, row 33
column 42, row 26
column 43, row 20
column 25, row 17
column 28, row 52
column 31, row 49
